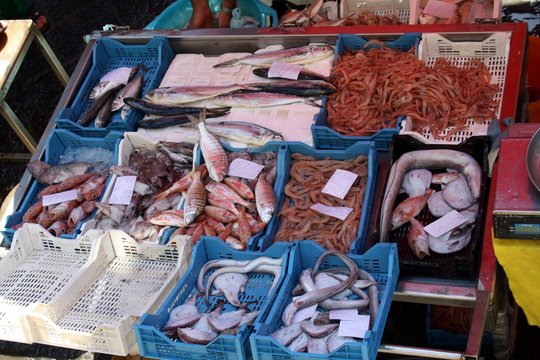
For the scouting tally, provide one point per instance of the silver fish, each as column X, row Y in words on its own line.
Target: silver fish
column 259, row 99
column 96, row 106
column 131, row 89
column 437, row 206
column 457, row 194
column 188, row 94
column 243, row 132
column 421, row 159
column 55, row 174
column 104, row 115
column 299, row 55
column 103, row 88
column 416, row 182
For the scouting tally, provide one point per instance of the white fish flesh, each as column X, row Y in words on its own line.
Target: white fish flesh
column 230, row 285
column 437, row 206
column 416, row 182
column 457, row 194
column 287, row 334
column 226, row 320
column 184, row 315
column 300, row 343
column 323, row 280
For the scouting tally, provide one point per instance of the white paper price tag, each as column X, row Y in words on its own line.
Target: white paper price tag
column 123, row 190
column 245, row 169
column 339, row 183
column 354, row 328
column 59, row 197
column 445, row 224
column 339, row 212
column 284, row 70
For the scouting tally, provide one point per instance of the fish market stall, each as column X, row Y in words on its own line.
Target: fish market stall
column 193, row 107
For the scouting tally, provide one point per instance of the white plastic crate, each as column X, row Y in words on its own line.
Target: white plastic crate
column 492, row 49
column 399, row 8
column 104, row 305
column 33, row 275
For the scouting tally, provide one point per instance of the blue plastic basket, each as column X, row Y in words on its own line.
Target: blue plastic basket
column 326, row 138
column 154, row 344
column 109, row 54
column 360, row 148
column 380, row 261
column 57, row 143
column 269, row 231
column 178, row 14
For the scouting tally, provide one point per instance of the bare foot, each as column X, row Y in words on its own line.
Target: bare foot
column 202, row 16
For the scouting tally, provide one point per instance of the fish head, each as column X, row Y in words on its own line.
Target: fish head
column 321, row 52
column 37, row 167
column 266, row 214
column 189, row 217
column 216, row 174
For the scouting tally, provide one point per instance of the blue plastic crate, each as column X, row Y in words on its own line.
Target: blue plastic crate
column 326, row 138
column 109, row 54
column 269, row 231
column 57, row 143
column 380, row 261
column 154, row 344
column 178, row 14
column 360, row 148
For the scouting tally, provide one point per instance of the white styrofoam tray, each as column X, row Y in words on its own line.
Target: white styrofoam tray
column 493, row 50
column 292, row 121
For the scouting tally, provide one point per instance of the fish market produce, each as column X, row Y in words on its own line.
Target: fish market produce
column 152, row 108
column 299, row 55
column 233, row 210
column 305, row 88
column 464, row 12
column 179, row 95
column 243, row 132
column 370, row 18
column 108, row 96
column 376, row 86
column 459, row 192
column 303, row 75
column 307, row 178
column 55, row 174
column 230, row 279
column 165, row 168
column 160, row 122
column 260, row 99
column 330, row 289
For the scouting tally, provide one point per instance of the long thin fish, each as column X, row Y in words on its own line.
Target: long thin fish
column 299, row 55
column 149, row 107
column 297, row 87
column 104, row 115
column 303, row 75
column 93, row 110
column 173, row 120
column 243, row 132
column 260, row 99
column 132, row 89
column 178, row 95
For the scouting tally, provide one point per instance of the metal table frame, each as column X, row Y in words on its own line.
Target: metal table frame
column 477, row 295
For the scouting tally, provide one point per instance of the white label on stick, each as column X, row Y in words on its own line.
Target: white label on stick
column 445, row 224
column 339, row 183
column 59, row 197
column 339, row 212
column 123, row 190
column 245, row 169
column 354, row 328
column 284, row 70
column 120, row 75
column 343, row 314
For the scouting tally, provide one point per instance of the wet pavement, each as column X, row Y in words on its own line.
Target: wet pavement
column 36, row 91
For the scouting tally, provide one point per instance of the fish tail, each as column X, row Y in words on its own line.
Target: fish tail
column 312, row 103
column 226, row 64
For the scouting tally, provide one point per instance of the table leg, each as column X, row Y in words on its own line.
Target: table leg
column 17, row 126
column 50, row 57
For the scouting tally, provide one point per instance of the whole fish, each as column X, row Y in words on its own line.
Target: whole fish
column 215, row 157
column 195, row 199
column 177, row 158
column 96, row 106
column 243, row 132
column 304, row 88
column 241, row 189
column 54, row 174
column 105, row 84
column 169, row 218
column 62, row 210
column 131, row 89
column 178, row 95
column 260, row 99
column 160, row 122
column 33, row 212
column 265, row 198
column 74, row 181
column 93, row 187
column 299, row 55
column 102, row 88
column 409, row 209
column 244, row 229
column 58, row 228
column 303, row 75
column 221, row 202
column 225, row 191
column 416, row 182
column 149, row 107
column 219, row 214
column 44, row 219
column 183, row 315
column 422, row 159
column 104, row 115
column 457, row 194
column 52, row 189
column 177, row 147
column 418, row 239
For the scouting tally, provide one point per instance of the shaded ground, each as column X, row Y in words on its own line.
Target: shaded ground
column 36, row 91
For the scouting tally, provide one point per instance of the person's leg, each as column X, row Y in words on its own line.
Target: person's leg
column 225, row 14
column 202, row 15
